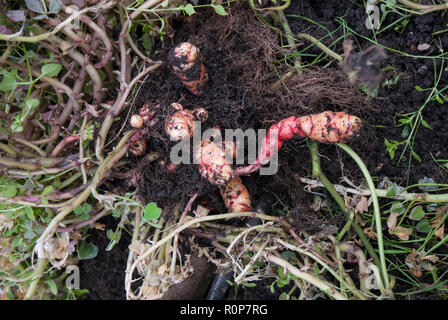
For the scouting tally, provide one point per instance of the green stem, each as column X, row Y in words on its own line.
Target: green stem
column 376, row 210
column 290, row 38
column 323, row 47
column 329, row 186
column 37, row 274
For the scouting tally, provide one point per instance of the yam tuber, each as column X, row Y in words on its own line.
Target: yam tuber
column 181, row 124
column 187, row 65
column 236, row 197
column 326, row 127
column 213, row 164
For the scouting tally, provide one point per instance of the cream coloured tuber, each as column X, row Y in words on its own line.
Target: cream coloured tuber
column 236, row 197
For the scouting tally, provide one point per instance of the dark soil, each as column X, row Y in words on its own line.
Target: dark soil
column 239, row 53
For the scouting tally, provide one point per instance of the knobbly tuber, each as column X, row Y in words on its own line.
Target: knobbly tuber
column 213, row 164
column 181, row 124
column 136, row 121
column 138, row 147
column 142, row 121
column 236, row 197
column 187, row 65
column 326, row 127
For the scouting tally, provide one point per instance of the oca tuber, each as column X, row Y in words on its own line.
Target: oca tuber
column 213, row 164
column 181, row 124
column 187, row 65
column 236, row 197
column 326, row 127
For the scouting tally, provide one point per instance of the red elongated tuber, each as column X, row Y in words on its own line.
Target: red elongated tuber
column 326, row 127
column 329, row 127
column 187, row 65
column 236, row 197
column 213, row 164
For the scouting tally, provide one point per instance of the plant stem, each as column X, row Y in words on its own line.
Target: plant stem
column 376, row 210
column 324, row 48
column 328, row 185
column 424, row 197
column 290, row 38
column 306, row 276
column 36, row 275
column 424, row 8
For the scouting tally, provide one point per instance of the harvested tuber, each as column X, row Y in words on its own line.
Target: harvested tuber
column 137, row 121
column 236, row 197
column 187, row 65
column 213, row 164
column 181, row 124
column 326, row 127
column 138, row 147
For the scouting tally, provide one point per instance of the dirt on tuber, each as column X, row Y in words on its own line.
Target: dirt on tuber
column 187, row 65
column 325, row 127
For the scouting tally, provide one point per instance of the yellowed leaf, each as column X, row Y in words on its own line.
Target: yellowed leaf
column 370, row 233
column 392, row 220
column 201, row 211
column 401, row 233
column 99, row 226
column 362, row 205
column 433, row 258
column 440, row 232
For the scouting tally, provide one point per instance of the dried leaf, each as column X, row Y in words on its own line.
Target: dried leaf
column 433, row 258
column 370, row 233
column 99, row 226
column 401, row 233
column 201, row 211
column 362, row 206
column 392, row 220
column 440, row 232
column 423, row 47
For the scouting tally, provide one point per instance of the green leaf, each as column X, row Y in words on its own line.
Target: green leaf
column 416, row 156
column 9, row 81
column 249, row 284
column 35, row 6
column 78, row 210
column 283, row 296
column 151, row 211
column 219, row 9
column 30, row 104
column 51, row 69
column 426, row 180
column 417, row 213
column 52, row 286
column 418, row 88
column 189, row 9
column 423, row 226
column 29, row 213
column 87, row 251
column 8, row 191
column 425, row 124
column 47, row 190
column 55, row 6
